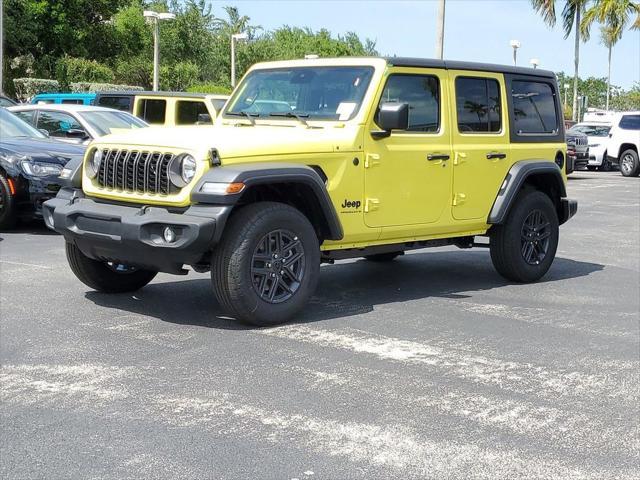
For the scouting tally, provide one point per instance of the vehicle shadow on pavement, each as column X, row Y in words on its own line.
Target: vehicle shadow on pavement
column 345, row 289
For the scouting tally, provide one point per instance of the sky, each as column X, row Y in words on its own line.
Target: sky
column 475, row 30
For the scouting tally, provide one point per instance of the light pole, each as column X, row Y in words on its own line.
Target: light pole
column 534, row 63
column 234, row 38
column 515, row 44
column 566, row 92
column 154, row 18
column 440, row 30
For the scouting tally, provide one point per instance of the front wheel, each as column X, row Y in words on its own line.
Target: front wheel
column 107, row 277
column 523, row 248
column 7, row 205
column 266, row 267
column 629, row 164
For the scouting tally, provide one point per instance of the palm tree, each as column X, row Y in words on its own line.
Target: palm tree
column 614, row 16
column 571, row 17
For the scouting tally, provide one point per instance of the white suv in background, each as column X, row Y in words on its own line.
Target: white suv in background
column 624, row 143
column 598, row 135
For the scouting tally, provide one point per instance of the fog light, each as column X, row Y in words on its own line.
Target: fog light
column 169, row 235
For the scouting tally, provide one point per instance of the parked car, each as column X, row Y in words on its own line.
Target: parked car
column 77, row 123
column 29, row 167
column 6, row 101
column 379, row 156
column 64, row 98
column 577, row 150
column 597, row 137
column 624, row 143
column 166, row 108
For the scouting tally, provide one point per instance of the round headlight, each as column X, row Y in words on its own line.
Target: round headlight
column 94, row 163
column 188, row 168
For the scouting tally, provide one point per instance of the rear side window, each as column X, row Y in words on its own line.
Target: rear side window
column 28, row 116
column 630, row 122
column 534, row 108
column 422, row 93
column 478, row 105
column 187, row 113
column 119, row 103
column 152, row 110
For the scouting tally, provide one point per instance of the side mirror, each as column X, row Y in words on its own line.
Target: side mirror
column 392, row 116
column 44, row 132
column 204, row 118
column 77, row 133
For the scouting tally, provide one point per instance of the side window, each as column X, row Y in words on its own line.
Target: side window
column 187, row 112
column 28, row 116
column 478, row 105
column 630, row 122
column 152, row 110
column 57, row 123
column 119, row 103
column 534, row 108
column 73, row 101
column 422, row 93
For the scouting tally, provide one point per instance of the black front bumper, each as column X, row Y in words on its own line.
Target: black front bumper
column 134, row 235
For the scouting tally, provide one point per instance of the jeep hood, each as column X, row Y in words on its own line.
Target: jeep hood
column 243, row 141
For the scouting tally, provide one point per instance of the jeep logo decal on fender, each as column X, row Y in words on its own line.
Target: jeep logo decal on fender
column 351, row 206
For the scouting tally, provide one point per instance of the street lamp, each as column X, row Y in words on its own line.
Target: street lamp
column 155, row 18
column 515, row 44
column 534, row 63
column 566, row 92
column 234, row 38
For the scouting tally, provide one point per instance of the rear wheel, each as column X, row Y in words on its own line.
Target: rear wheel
column 106, row 277
column 629, row 165
column 383, row 257
column 523, row 248
column 8, row 215
column 266, row 267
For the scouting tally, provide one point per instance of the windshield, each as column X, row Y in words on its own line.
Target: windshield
column 315, row 93
column 591, row 130
column 104, row 122
column 12, row 127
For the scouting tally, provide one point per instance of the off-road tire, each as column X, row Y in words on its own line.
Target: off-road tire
column 102, row 277
column 629, row 164
column 383, row 257
column 233, row 263
column 507, row 245
column 606, row 164
column 8, row 215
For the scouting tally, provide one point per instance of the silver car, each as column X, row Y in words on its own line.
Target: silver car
column 76, row 123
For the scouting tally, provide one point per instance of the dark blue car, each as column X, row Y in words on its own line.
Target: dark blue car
column 30, row 163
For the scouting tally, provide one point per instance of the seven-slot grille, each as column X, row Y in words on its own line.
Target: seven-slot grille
column 135, row 170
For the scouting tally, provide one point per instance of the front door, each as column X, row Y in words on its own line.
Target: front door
column 481, row 148
column 408, row 173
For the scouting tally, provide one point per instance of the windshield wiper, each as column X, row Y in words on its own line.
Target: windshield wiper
column 298, row 116
column 244, row 113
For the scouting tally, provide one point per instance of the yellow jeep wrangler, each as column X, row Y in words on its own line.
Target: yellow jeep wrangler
column 317, row 160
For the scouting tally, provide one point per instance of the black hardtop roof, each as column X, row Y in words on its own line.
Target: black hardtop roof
column 153, row 94
column 458, row 65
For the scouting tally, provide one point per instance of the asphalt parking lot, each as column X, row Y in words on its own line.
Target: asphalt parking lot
column 431, row 367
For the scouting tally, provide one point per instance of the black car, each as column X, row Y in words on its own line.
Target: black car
column 30, row 164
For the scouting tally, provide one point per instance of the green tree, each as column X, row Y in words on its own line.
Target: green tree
column 571, row 17
column 614, row 16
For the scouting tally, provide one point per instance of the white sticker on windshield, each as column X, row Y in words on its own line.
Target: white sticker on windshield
column 345, row 109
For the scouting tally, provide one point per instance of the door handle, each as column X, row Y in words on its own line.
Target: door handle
column 491, row 156
column 438, row 156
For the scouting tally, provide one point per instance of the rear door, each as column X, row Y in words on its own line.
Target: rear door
column 481, row 147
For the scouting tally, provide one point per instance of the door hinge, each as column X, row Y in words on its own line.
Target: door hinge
column 371, row 160
column 459, row 158
column 371, row 204
column 459, row 199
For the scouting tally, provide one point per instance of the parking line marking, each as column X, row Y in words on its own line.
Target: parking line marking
column 25, row 264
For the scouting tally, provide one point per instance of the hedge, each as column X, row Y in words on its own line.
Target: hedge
column 70, row 69
column 81, row 87
column 209, row 88
column 28, row 87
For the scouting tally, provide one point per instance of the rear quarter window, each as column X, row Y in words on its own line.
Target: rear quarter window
column 630, row 122
column 534, row 108
column 152, row 110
